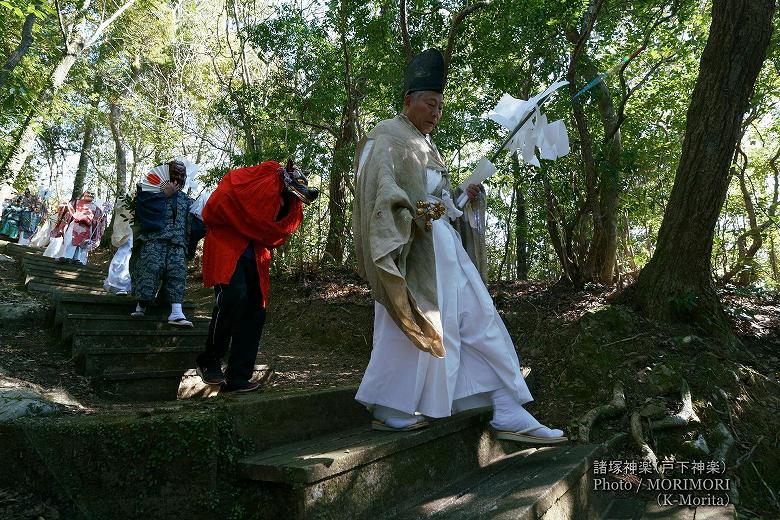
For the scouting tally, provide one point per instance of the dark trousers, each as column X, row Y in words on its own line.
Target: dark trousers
column 236, row 323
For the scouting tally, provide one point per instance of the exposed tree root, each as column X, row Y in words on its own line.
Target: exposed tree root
column 614, row 407
column 644, row 448
column 771, row 493
column 727, row 441
column 610, row 443
column 684, row 416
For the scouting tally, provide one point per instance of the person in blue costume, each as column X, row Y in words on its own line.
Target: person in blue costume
column 161, row 247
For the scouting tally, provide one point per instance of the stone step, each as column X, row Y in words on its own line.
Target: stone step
column 70, row 279
column 14, row 249
column 546, row 483
column 58, row 288
column 100, row 360
column 161, row 385
column 622, row 508
column 64, row 273
column 358, row 473
column 75, row 323
column 101, row 353
column 140, row 386
column 43, row 262
column 107, row 305
column 36, row 257
column 272, row 419
column 120, row 465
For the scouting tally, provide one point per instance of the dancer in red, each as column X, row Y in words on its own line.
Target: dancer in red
column 252, row 211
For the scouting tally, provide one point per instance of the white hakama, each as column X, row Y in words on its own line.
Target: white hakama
column 42, row 237
column 118, row 279
column 62, row 247
column 55, row 247
column 69, row 250
column 479, row 354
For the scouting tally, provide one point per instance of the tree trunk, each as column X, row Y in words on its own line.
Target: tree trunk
column 628, row 248
column 744, row 268
column 86, row 148
column 571, row 271
column 74, row 47
column 677, row 282
column 114, row 119
column 605, row 245
column 23, row 146
column 337, row 200
column 521, row 225
column 21, row 49
column 602, row 179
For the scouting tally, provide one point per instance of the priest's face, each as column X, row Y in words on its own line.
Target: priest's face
column 424, row 109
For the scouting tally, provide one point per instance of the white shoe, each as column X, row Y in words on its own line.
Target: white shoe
column 138, row 314
column 121, row 293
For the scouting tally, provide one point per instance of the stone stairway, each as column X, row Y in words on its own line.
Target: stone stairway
column 129, row 359
column 453, row 469
column 311, row 454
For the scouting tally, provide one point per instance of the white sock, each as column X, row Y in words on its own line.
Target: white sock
column 139, row 308
column 176, row 311
column 395, row 418
column 509, row 415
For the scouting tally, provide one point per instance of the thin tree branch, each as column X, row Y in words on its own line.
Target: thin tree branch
column 21, row 49
column 452, row 37
column 63, row 32
column 103, row 26
column 405, row 33
column 630, row 91
column 579, row 39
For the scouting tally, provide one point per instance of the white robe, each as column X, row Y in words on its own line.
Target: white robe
column 63, row 247
column 118, row 278
column 55, row 247
column 42, row 237
column 479, row 354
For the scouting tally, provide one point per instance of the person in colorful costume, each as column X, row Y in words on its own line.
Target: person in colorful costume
column 439, row 345
column 252, row 211
column 78, row 229
column 33, row 213
column 161, row 245
column 12, row 214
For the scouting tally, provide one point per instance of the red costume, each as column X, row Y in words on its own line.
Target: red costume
column 244, row 208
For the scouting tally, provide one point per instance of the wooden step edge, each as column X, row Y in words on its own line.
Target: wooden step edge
column 141, row 349
column 522, row 486
column 269, row 466
column 173, row 332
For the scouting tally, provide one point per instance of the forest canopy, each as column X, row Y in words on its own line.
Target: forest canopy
column 96, row 92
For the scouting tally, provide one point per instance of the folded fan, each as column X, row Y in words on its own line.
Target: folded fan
column 156, row 179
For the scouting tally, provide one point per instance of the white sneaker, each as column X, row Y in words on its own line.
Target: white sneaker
column 138, row 314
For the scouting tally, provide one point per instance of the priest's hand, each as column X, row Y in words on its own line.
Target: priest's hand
column 171, row 188
column 473, row 191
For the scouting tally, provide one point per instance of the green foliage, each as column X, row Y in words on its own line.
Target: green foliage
column 21, row 8
column 234, row 83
